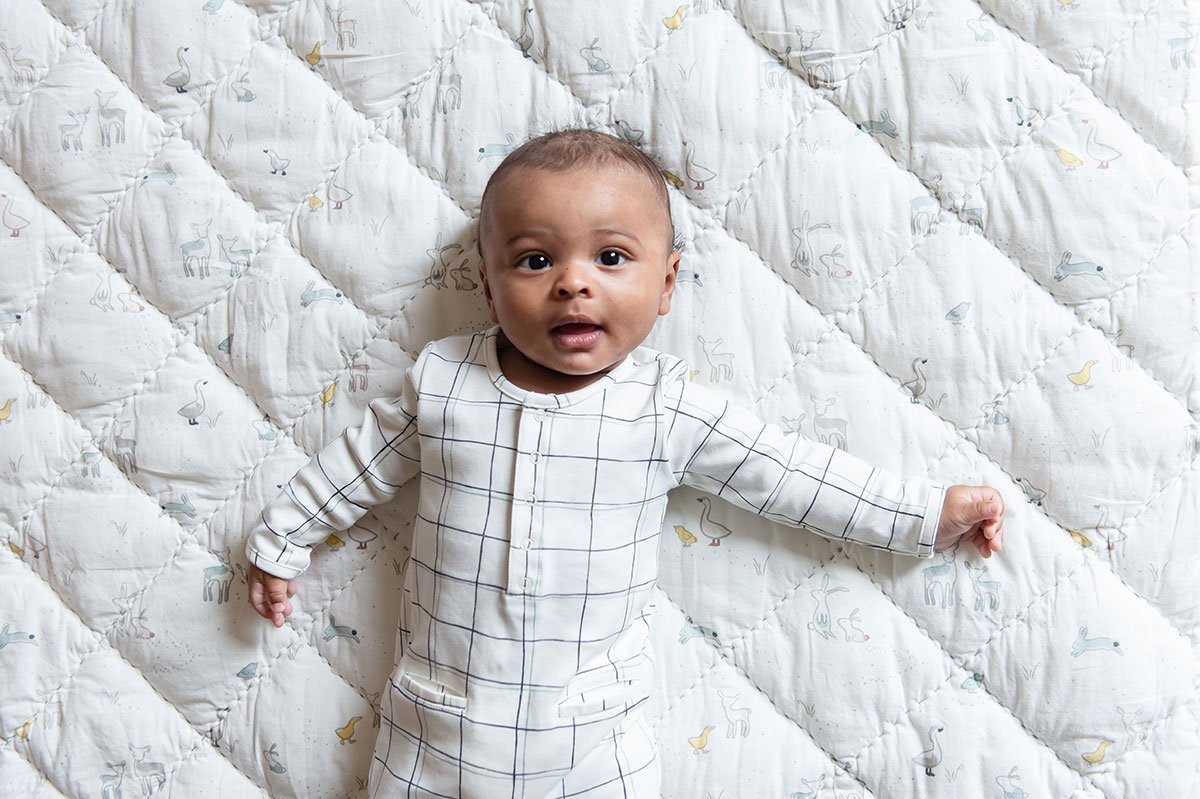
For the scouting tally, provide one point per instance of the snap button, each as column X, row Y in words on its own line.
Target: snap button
column 539, row 414
column 527, row 543
column 529, row 500
column 525, row 582
column 533, row 456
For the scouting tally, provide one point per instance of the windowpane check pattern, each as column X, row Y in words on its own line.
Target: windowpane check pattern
column 523, row 641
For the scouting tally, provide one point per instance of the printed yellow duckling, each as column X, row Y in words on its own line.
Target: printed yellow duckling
column 6, row 409
column 700, row 742
column 327, row 394
column 673, row 179
column 1094, row 758
column 1080, row 538
column 675, row 20
column 347, row 733
column 685, row 535
column 1083, row 377
column 314, row 57
column 333, row 542
column 16, row 550
column 314, row 202
column 22, row 732
column 1068, row 159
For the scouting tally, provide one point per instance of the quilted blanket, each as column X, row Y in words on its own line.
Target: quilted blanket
column 953, row 237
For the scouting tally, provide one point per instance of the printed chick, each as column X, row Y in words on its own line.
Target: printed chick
column 333, row 542
column 1068, row 159
column 700, row 742
column 314, row 57
column 1083, row 377
column 1095, row 757
column 675, row 20
column 347, row 733
column 685, row 535
column 7, row 409
column 1080, row 538
column 327, row 394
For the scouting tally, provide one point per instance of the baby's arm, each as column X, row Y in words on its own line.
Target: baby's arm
column 361, row 468
column 719, row 447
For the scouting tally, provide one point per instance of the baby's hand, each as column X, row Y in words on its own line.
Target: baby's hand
column 976, row 512
column 270, row 595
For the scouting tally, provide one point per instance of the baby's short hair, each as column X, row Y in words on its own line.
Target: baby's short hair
column 561, row 150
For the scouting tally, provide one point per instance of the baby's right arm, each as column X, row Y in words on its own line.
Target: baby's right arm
column 361, row 468
column 271, row 595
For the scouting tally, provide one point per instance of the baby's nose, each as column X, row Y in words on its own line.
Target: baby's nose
column 572, row 281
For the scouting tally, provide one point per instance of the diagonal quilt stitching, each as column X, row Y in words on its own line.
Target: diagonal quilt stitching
column 186, row 537
column 101, row 639
column 1112, row 106
column 960, row 435
column 950, row 208
column 725, row 652
column 727, row 659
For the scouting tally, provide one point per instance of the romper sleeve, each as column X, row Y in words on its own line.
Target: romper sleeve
column 363, row 467
column 726, row 450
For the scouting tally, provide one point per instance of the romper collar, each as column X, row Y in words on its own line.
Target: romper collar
column 538, row 399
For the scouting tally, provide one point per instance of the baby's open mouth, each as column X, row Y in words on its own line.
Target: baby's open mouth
column 572, row 328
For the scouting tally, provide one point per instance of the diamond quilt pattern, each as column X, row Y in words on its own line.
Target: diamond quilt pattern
column 951, row 237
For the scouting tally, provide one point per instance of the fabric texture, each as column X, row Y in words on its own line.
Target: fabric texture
column 525, row 636
column 953, row 238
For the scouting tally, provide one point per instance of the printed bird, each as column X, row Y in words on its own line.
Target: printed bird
column 338, row 195
column 196, row 407
column 675, row 20
column 361, row 535
column 1083, row 378
column 700, row 742
column 696, row 174
column 16, row 550
column 278, row 165
column 1068, row 159
column 673, row 179
column 180, row 77
column 23, row 731
column 1080, row 538
column 347, row 733
column 958, row 312
column 314, row 57
column 333, row 542
column 327, row 394
column 931, row 757
column 314, row 202
column 6, row 409
column 1101, row 152
column 1095, row 757
column 11, row 219
column 685, row 535
column 712, row 530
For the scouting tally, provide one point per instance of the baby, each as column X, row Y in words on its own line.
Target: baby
column 547, row 445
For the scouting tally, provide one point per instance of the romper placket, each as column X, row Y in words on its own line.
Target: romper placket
column 525, row 535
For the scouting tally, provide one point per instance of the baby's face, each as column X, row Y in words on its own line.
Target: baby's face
column 588, row 242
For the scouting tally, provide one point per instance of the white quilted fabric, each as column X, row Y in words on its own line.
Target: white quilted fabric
column 952, row 237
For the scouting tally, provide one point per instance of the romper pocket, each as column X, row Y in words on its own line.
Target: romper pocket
column 619, row 675
column 426, row 692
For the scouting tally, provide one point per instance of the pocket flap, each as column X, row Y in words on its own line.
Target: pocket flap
column 429, row 692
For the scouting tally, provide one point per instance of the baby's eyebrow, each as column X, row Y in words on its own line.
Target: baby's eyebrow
column 530, row 232
column 616, row 232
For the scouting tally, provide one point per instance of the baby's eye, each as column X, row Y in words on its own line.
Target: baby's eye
column 611, row 257
column 537, row 261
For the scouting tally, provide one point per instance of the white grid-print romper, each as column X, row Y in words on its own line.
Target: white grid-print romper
column 523, row 638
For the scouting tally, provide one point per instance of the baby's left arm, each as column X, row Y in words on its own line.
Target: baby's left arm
column 975, row 513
